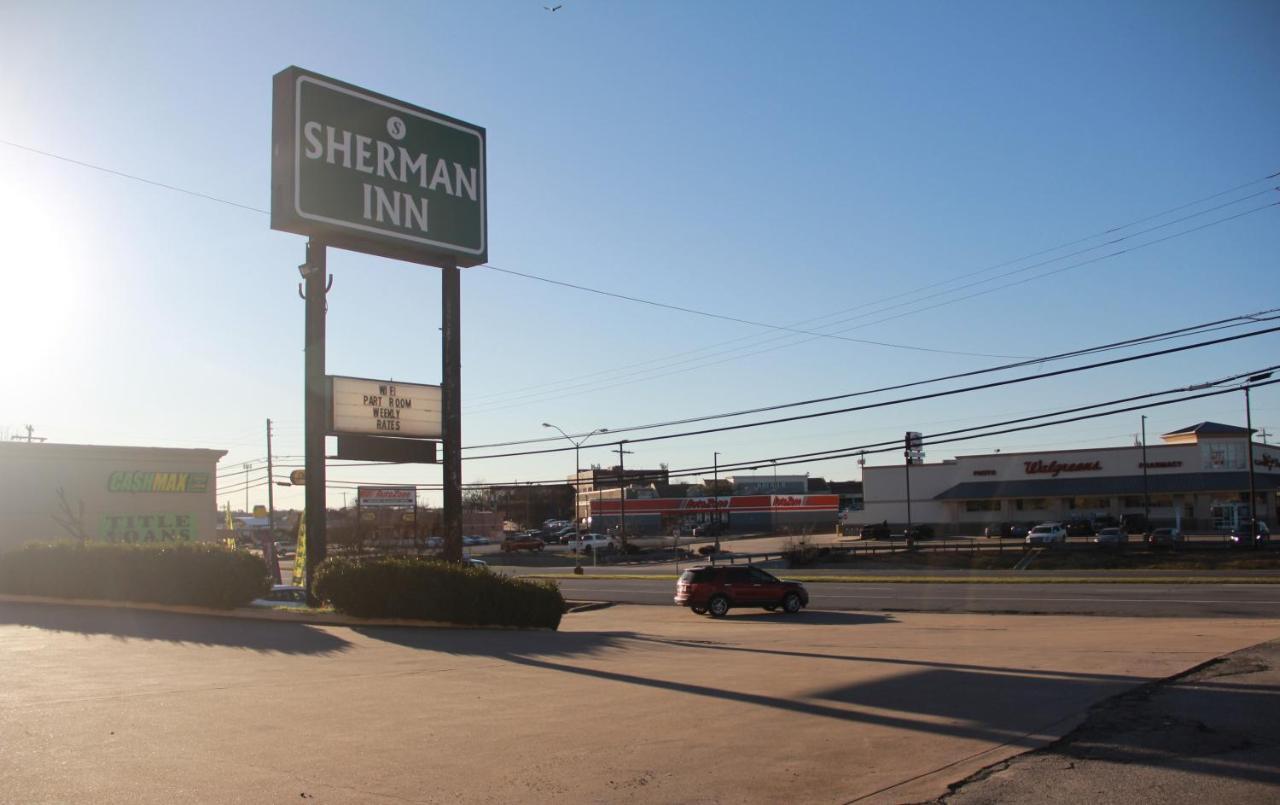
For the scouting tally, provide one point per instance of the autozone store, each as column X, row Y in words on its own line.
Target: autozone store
column 741, row 513
column 1195, row 475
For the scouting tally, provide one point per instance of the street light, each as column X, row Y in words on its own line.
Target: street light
column 577, row 487
column 715, row 495
column 1248, row 423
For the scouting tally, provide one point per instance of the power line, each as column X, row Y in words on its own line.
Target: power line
column 735, row 319
column 1197, row 329
column 917, row 398
column 797, row 331
column 217, row 199
column 897, row 442
column 978, row 272
column 929, row 439
column 521, row 400
column 135, row 177
column 1012, row 425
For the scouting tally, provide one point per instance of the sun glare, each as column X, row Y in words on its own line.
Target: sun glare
column 41, row 277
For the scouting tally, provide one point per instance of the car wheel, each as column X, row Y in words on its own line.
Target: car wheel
column 699, row 610
column 791, row 604
column 718, row 606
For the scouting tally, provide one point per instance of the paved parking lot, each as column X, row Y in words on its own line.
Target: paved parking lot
column 628, row 704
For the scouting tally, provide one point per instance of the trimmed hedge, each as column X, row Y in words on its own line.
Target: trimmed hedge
column 437, row 591
column 193, row 574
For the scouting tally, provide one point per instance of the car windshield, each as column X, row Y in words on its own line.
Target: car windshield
column 1041, row 529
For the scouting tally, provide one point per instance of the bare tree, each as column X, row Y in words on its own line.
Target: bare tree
column 71, row 521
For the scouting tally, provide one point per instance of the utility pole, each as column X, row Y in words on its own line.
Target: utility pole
column 622, row 489
column 246, row 488
column 29, row 438
column 1253, row 489
column 271, row 485
column 715, row 494
column 1146, row 491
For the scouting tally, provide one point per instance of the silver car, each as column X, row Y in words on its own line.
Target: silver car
column 1047, row 534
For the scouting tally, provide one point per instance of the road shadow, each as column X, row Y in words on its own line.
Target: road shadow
column 1221, row 720
column 1000, row 706
column 998, row 700
column 501, row 644
column 563, row 651
column 199, row 630
column 808, row 617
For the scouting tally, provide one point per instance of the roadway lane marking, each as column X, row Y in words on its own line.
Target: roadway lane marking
column 1099, row 599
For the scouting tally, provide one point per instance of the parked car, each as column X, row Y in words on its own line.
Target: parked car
column 592, row 542
column 522, row 542
column 282, row 595
column 1111, row 536
column 472, row 562
column 1047, row 534
column 1163, row 536
column 924, row 531
column 1079, row 527
column 1240, row 536
column 875, row 531
column 999, row 530
column 715, row 590
column 1134, row 523
column 708, row 529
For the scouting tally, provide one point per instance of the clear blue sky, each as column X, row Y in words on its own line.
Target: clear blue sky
column 773, row 162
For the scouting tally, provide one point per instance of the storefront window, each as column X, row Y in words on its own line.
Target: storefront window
column 1031, row 504
column 1223, row 455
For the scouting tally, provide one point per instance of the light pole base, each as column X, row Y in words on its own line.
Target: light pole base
column 577, row 570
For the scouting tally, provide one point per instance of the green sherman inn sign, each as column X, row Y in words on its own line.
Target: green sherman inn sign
column 361, row 171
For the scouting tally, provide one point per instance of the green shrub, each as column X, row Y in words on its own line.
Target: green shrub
column 195, row 574
column 389, row 587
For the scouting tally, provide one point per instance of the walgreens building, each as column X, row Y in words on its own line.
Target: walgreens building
column 1197, row 477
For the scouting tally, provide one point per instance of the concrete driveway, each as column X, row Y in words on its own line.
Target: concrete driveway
column 628, row 704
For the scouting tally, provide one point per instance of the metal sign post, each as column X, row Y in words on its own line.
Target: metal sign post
column 358, row 170
column 451, row 410
column 314, row 273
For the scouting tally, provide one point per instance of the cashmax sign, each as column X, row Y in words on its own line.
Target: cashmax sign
column 365, row 172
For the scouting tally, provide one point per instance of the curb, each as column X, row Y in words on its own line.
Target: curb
column 953, row 579
column 277, row 615
column 587, row 606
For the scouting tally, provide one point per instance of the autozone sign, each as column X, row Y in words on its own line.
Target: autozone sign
column 373, row 497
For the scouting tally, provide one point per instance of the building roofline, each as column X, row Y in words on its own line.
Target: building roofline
column 67, row 449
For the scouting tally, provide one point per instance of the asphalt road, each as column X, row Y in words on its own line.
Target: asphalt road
column 626, row 705
column 1151, row 599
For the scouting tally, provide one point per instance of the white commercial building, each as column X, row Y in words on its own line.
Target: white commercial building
column 1197, row 477
column 117, row 494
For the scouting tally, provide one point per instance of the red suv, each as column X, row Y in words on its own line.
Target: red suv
column 708, row 588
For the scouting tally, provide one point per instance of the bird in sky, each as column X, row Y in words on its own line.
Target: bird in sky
column 554, row 8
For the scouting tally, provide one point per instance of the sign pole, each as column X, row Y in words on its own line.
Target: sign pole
column 451, row 405
column 314, row 271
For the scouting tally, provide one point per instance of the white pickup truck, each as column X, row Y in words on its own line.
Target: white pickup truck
column 591, row 542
